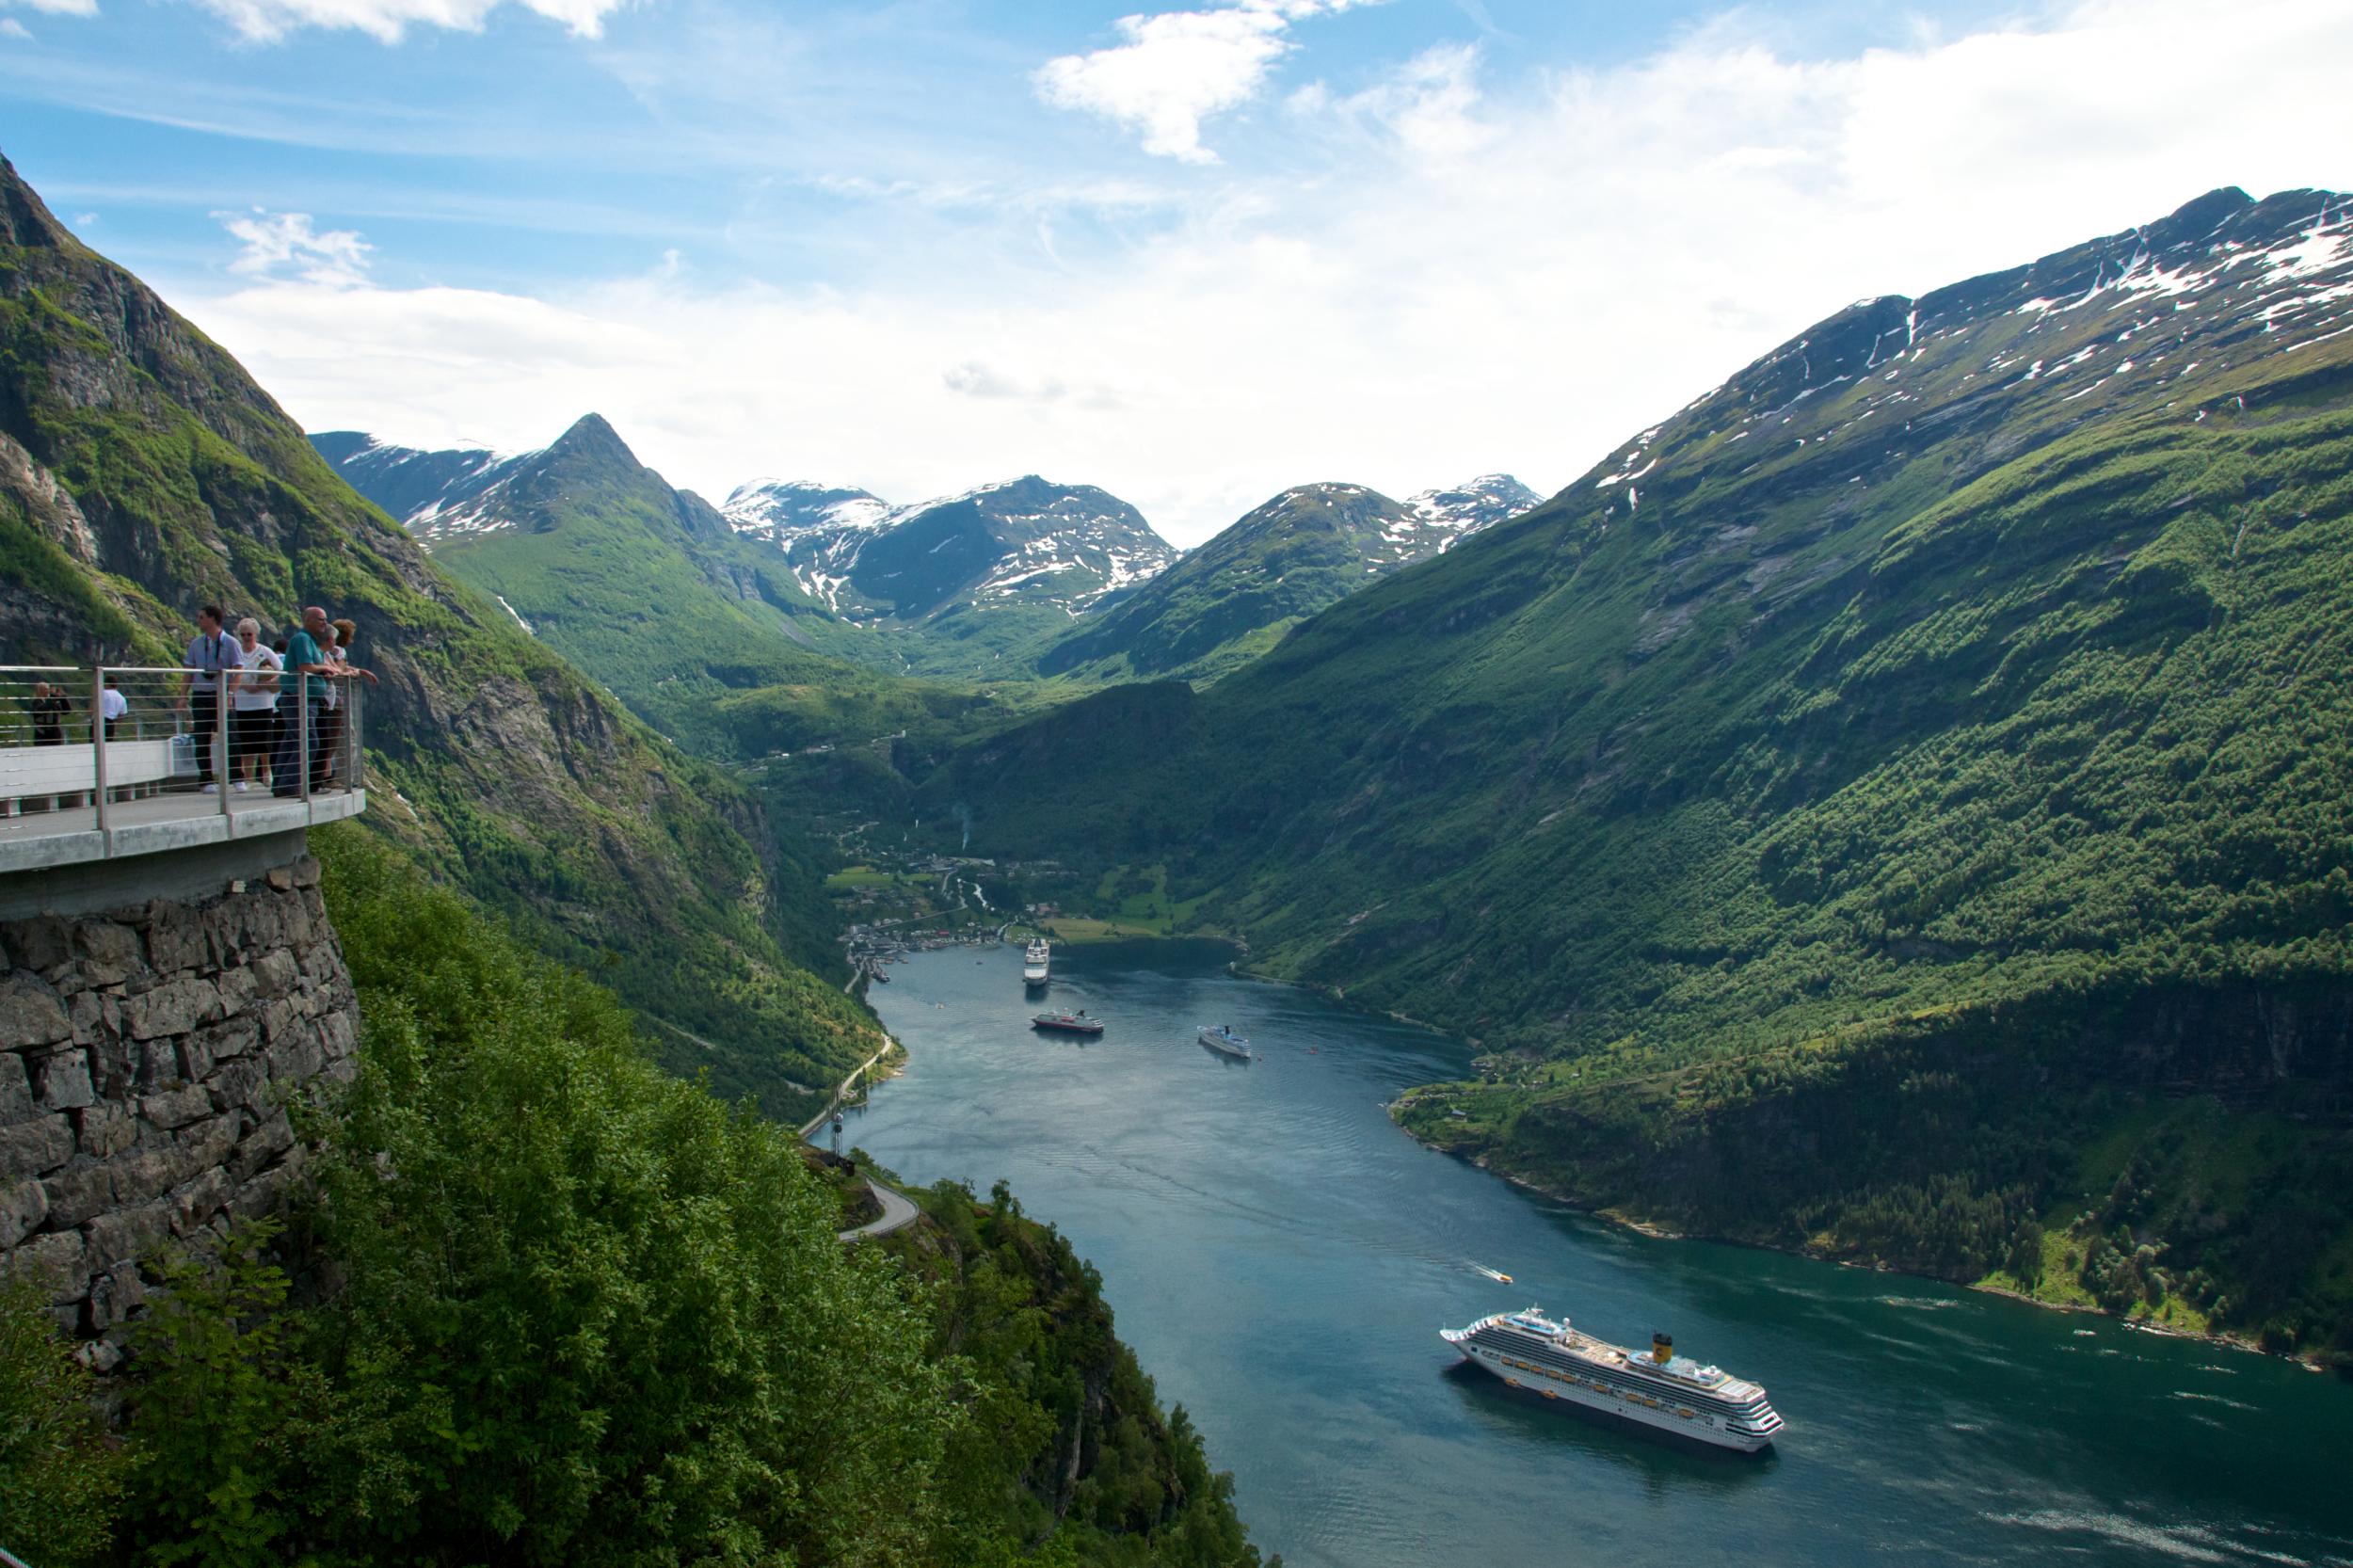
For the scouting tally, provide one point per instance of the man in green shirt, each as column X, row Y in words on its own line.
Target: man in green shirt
column 303, row 657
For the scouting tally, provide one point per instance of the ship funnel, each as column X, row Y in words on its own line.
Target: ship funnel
column 1662, row 1348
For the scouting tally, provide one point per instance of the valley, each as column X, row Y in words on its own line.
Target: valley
column 1894, row 811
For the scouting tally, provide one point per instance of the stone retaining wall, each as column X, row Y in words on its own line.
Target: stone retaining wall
column 148, row 1057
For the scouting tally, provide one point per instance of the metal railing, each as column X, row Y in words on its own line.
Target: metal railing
column 88, row 746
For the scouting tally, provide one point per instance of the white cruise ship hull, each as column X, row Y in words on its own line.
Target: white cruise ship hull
column 1661, row 1414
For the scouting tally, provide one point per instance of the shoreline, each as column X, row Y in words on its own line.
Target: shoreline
column 1659, row 1233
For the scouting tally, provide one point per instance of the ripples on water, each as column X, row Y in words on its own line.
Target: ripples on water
column 1281, row 1257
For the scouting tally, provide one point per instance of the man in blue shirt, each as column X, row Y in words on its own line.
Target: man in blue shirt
column 303, row 658
column 210, row 651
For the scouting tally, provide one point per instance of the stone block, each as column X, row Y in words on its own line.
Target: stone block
column 57, row 1263
column 31, row 1012
column 237, row 988
column 24, row 1208
column 199, row 1199
column 129, row 1235
column 107, row 954
column 279, row 1019
column 155, row 1066
column 275, row 972
column 263, row 1194
column 114, row 1294
column 230, row 1038
column 298, row 1060
column 237, row 1084
column 307, row 873
column 193, row 1055
column 339, row 1035
column 265, row 1143
column 36, row 1148
column 103, row 1130
column 320, row 965
column 208, row 1141
column 176, row 1107
column 92, row 1019
column 173, row 1008
column 44, row 943
column 175, row 938
column 61, row 1080
column 148, row 1172
column 78, row 1194
column 16, row 1089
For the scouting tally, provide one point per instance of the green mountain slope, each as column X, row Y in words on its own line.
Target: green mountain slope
column 704, row 635
column 142, row 473
column 1898, row 806
column 1234, row 597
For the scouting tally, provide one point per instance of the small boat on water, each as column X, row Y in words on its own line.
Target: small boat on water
column 1223, row 1041
column 1067, row 1023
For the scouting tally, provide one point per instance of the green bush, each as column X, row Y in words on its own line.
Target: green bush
column 60, row 1474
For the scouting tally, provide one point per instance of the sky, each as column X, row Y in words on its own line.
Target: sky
column 1193, row 255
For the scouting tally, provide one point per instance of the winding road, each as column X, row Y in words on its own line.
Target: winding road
column 898, row 1212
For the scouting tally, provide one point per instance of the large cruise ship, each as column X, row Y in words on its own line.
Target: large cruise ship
column 1662, row 1389
column 1034, row 962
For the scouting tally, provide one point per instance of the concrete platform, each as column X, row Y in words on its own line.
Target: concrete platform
column 40, row 841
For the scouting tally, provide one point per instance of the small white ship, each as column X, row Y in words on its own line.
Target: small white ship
column 1661, row 1390
column 1034, row 964
column 1224, row 1041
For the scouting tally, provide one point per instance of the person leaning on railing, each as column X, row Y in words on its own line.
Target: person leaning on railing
column 336, row 714
column 308, row 660
column 49, row 708
column 112, row 705
column 253, row 732
column 211, row 653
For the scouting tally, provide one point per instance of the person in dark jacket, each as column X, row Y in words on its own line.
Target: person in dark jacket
column 49, row 708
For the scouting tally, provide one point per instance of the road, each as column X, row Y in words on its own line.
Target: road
column 897, row 1213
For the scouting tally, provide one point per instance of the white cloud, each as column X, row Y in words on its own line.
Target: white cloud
column 1176, row 68
column 267, row 20
column 287, row 247
column 51, row 7
column 11, row 27
column 1463, row 280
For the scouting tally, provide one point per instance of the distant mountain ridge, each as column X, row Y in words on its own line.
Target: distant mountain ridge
column 986, row 577
column 1302, row 552
column 698, row 628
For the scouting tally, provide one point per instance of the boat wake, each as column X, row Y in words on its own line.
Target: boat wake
column 1496, row 1275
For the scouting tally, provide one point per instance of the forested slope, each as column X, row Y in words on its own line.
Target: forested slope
column 1876, row 808
column 143, row 473
column 547, row 1305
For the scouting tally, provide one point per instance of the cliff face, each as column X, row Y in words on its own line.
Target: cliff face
column 143, row 473
column 149, row 1059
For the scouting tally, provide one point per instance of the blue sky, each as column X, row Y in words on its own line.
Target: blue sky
column 1192, row 254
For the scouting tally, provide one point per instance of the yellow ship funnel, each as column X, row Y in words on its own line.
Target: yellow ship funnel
column 1662, row 1348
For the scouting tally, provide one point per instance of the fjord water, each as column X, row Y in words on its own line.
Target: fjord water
column 1281, row 1258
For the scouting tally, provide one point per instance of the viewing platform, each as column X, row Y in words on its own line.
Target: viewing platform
column 175, row 770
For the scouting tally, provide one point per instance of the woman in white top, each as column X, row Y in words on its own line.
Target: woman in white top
column 254, row 729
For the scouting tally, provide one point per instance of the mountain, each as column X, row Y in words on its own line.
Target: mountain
column 777, row 511
column 969, row 582
column 1894, row 806
column 411, row 484
column 142, row 473
column 701, row 632
column 1234, row 597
